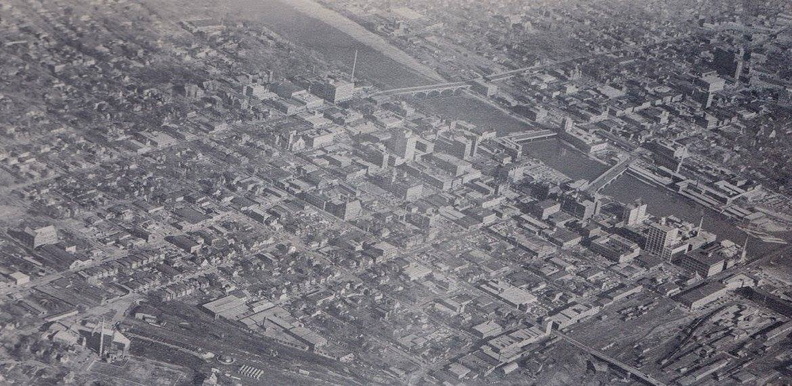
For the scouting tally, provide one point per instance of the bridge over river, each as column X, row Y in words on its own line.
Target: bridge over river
column 611, row 174
column 431, row 90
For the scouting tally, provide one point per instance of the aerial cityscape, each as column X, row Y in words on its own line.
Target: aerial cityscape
column 395, row 192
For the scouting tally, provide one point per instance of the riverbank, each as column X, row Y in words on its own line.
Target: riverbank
column 319, row 12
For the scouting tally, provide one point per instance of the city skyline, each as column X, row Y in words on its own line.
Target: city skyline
column 358, row 192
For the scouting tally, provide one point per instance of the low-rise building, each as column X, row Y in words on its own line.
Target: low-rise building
column 705, row 262
column 702, row 295
column 615, row 248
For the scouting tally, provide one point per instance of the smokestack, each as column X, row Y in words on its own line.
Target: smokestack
column 700, row 226
column 101, row 339
column 354, row 64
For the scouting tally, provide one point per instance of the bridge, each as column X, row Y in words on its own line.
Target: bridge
column 450, row 88
column 611, row 174
column 432, row 90
column 453, row 87
column 447, row 89
column 508, row 74
column 531, row 136
column 646, row 378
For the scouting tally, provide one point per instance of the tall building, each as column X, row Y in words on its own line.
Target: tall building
column 634, row 213
column 580, row 206
column 669, row 154
column 707, row 85
column 36, row 237
column 462, row 146
column 729, row 63
column 335, row 90
column 111, row 345
column 660, row 239
column 403, row 144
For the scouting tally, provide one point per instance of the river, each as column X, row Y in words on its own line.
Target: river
column 381, row 70
column 334, row 45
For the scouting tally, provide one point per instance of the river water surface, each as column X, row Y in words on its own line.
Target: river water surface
column 334, row 45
